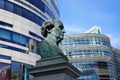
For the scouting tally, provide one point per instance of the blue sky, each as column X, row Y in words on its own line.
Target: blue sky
column 80, row 15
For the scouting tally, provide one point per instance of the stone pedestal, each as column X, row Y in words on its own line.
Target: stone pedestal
column 54, row 68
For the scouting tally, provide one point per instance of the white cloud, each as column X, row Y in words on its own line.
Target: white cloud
column 74, row 29
column 115, row 39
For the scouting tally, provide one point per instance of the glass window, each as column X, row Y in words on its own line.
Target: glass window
column 0, row 32
column 55, row 7
column 13, row 37
column 24, row 40
column 24, row 12
column 20, row 39
column 5, row 57
column 4, row 71
column 38, row 3
column 16, row 38
column 5, row 24
column 2, row 4
column 6, row 34
column 16, row 71
column 17, row 10
column 8, row 6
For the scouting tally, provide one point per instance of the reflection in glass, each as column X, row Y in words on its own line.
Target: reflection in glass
column 16, row 70
column 4, row 71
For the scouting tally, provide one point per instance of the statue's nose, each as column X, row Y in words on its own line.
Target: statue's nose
column 63, row 31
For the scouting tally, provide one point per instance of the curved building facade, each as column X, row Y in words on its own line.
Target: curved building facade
column 92, row 54
column 20, row 25
column 116, row 53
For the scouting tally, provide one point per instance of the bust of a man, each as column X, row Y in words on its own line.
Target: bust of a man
column 53, row 31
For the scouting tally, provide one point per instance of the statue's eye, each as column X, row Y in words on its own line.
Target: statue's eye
column 61, row 27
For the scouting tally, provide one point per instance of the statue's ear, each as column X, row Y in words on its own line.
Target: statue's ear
column 48, row 30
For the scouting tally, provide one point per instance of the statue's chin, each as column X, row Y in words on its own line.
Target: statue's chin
column 59, row 39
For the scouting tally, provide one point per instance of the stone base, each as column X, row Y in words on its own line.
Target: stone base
column 54, row 68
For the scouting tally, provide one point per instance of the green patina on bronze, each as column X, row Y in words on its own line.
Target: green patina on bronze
column 53, row 31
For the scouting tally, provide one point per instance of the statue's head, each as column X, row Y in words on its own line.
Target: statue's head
column 53, row 28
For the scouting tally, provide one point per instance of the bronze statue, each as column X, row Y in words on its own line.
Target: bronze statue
column 53, row 31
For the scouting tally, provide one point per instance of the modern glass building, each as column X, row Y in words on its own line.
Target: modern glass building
column 20, row 25
column 116, row 55
column 93, row 54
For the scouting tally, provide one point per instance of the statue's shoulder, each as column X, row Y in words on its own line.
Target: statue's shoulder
column 44, row 44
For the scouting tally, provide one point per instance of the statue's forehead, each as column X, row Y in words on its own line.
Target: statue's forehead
column 58, row 23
